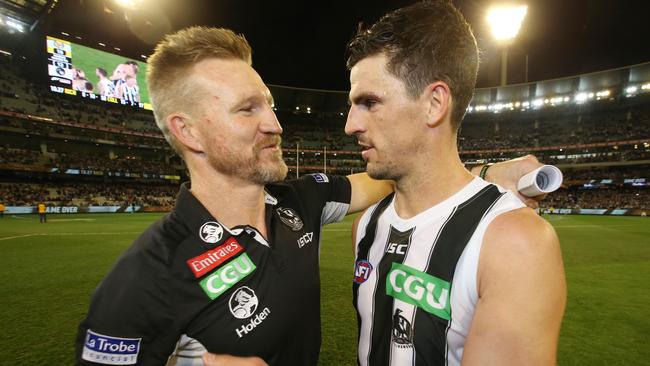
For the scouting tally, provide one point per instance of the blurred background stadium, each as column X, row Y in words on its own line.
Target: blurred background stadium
column 94, row 159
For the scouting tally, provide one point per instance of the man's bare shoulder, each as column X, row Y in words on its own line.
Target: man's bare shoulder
column 518, row 246
column 522, row 293
column 520, row 230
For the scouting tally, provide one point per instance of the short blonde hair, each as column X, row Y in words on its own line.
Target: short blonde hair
column 170, row 67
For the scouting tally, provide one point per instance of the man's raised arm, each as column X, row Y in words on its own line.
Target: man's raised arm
column 522, row 294
column 367, row 191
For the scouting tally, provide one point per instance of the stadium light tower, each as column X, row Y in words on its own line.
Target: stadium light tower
column 505, row 22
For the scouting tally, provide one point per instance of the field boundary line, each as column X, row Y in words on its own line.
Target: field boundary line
column 19, row 236
column 61, row 220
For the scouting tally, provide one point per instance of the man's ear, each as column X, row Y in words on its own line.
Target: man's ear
column 185, row 131
column 438, row 98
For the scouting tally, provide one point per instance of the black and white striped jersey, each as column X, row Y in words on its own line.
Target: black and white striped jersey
column 131, row 93
column 415, row 280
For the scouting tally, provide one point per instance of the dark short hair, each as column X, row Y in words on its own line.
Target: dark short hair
column 424, row 42
column 102, row 71
column 132, row 63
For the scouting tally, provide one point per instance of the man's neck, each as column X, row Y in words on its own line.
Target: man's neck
column 431, row 182
column 230, row 200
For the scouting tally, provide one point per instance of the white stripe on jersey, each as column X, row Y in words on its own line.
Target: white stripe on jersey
column 130, row 93
column 188, row 352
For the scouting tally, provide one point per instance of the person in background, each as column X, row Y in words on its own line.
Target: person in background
column 42, row 212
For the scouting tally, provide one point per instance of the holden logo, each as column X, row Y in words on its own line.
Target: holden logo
column 211, row 232
column 290, row 218
column 243, row 303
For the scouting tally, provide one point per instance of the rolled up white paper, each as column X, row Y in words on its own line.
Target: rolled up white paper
column 545, row 179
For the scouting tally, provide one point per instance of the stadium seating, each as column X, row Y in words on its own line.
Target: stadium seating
column 73, row 150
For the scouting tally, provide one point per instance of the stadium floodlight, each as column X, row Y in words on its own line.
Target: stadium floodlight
column 581, row 98
column 603, row 94
column 129, row 4
column 631, row 90
column 505, row 22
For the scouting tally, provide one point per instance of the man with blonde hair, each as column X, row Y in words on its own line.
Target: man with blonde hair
column 238, row 234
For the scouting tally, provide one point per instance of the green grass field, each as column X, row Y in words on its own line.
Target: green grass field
column 48, row 271
column 88, row 59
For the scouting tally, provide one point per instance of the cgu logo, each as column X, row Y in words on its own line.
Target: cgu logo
column 227, row 276
column 420, row 289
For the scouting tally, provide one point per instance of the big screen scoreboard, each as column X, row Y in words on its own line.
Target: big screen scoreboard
column 89, row 73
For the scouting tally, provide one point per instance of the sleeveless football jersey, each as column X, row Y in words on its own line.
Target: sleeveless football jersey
column 414, row 284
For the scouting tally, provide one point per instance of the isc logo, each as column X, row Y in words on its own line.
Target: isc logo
column 362, row 271
column 396, row 248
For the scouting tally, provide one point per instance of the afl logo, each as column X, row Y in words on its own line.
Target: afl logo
column 243, row 303
column 290, row 218
column 362, row 271
column 211, row 232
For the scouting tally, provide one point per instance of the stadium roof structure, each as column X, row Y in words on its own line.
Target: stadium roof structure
column 302, row 43
column 624, row 82
column 24, row 15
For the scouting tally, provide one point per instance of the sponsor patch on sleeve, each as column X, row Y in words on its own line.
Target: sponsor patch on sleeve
column 320, row 178
column 107, row 350
column 362, row 270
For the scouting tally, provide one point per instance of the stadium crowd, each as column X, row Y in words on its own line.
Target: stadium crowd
column 54, row 132
column 19, row 156
column 95, row 161
column 20, row 194
column 615, row 173
column 599, row 198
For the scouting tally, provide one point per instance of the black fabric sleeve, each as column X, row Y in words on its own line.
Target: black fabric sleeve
column 130, row 318
column 328, row 194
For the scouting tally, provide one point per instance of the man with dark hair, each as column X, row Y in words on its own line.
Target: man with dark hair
column 134, row 67
column 105, row 86
column 449, row 268
column 129, row 91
